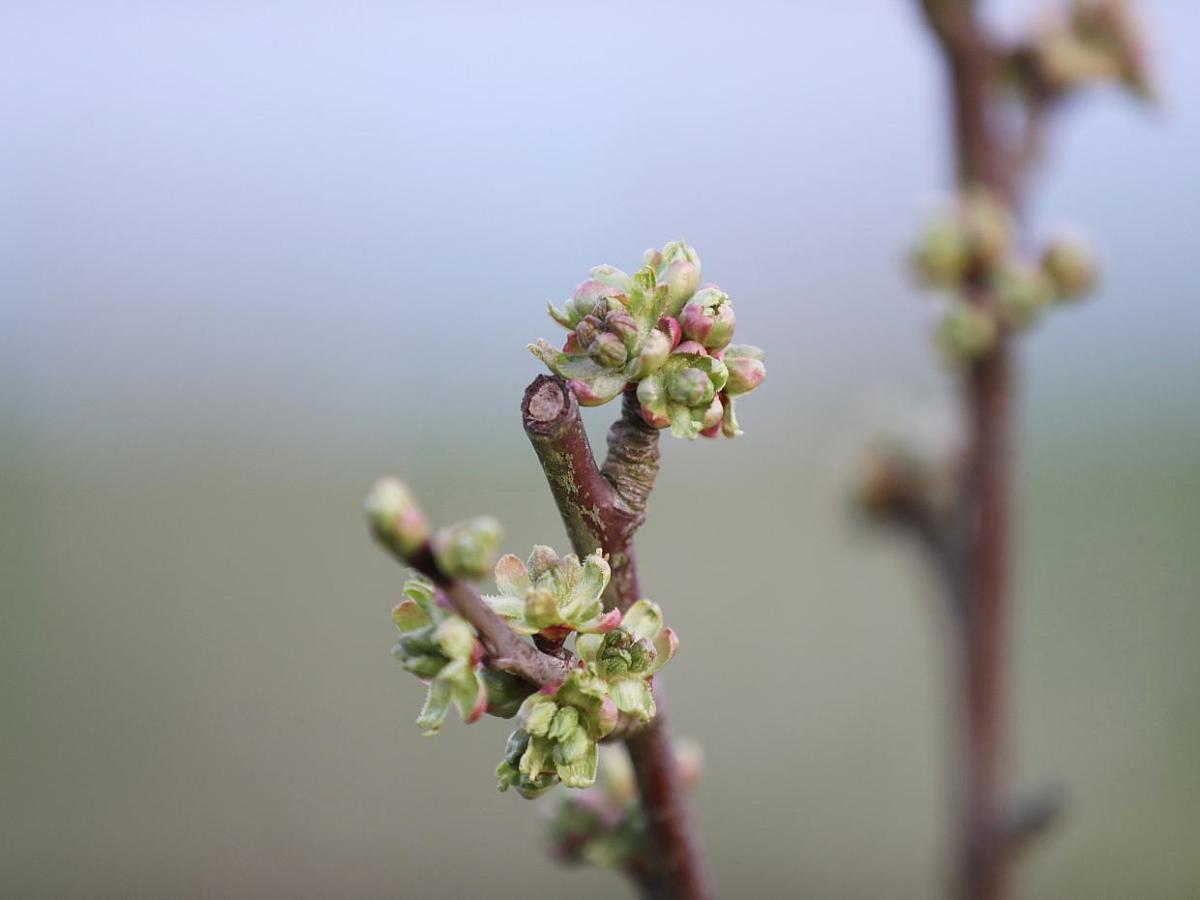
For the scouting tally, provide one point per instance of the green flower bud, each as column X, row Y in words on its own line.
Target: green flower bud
column 678, row 267
column 690, row 387
column 455, row 638
column 965, row 333
column 467, row 549
column 708, row 318
column 1071, row 267
column 943, row 257
column 395, row 518
column 505, row 693
column 988, row 225
column 608, row 350
column 1022, row 292
column 517, row 753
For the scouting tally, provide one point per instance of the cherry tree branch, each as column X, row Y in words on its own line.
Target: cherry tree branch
column 602, row 508
column 505, row 650
column 983, row 557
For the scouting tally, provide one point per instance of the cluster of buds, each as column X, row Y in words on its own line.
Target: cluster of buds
column 1093, row 41
column 441, row 648
column 658, row 330
column 551, row 598
column 970, row 253
column 627, row 657
column 604, row 826
column 558, row 736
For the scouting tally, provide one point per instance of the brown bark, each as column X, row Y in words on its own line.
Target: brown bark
column 602, row 508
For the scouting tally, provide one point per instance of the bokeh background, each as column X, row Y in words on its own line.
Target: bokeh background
column 255, row 255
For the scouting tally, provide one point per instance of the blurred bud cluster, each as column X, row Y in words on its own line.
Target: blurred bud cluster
column 969, row 252
column 1089, row 42
column 661, row 331
column 604, row 826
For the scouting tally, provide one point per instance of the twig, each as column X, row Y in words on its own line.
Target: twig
column 602, row 509
column 982, row 158
column 506, row 652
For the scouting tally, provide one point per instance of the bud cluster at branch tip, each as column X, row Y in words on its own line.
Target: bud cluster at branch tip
column 660, row 330
column 969, row 252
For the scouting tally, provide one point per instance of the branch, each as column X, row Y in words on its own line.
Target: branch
column 602, row 509
column 506, row 652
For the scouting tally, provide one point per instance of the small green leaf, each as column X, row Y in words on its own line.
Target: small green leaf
column 437, row 705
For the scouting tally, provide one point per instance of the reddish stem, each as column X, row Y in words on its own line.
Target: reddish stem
column 982, row 158
column 602, row 509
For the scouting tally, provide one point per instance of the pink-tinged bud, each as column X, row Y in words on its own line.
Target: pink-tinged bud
column 612, row 277
column 708, row 318
column 586, row 331
column 677, row 266
column 691, row 387
column 711, row 432
column 652, row 397
column 571, row 344
column 691, row 347
column 395, row 518
column 682, row 278
column 670, row 325
column 620, row 323
column 745, row 374
column 655, row 350
column 608, row 350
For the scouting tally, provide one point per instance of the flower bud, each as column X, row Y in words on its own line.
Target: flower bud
column 455, row 638
column 620, row 323
column 943, row 256
column 655, row 350
column 965, row 333
column 467, row 549
column 746, row 369
column 395, row 518
column 652, row 396
column 505, row 693
column 688, row 386
column 678, row 267
column 1071, row 267
column 608, row 350
column 708, row 318
column 1021, row 293
column 612, row 277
